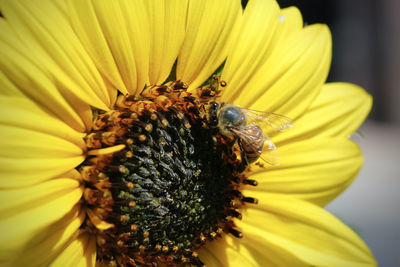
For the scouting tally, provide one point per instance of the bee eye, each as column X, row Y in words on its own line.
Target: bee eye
column 233, row 116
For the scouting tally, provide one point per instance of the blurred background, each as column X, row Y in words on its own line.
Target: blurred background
column 366, row 51
column 366, row 47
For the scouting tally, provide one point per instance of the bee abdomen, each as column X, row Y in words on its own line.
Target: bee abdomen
column 253, row 144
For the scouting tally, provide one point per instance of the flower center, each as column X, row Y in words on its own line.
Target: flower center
column 160, row 178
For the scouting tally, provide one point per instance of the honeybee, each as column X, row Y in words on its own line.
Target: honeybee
column 245, row 125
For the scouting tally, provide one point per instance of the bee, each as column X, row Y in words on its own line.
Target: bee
column 246, row 126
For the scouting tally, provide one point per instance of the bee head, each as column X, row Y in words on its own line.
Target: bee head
column 231, row 116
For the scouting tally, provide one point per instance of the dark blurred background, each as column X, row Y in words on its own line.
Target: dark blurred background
column 366, row 46
column 366, row 51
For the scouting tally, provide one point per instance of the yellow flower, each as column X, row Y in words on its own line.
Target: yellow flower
column 64, row 62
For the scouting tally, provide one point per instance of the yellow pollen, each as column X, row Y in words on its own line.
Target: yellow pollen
column 153, row 117
column 148, row 127
column 130, row 185
column 102, row 175
column 132, row 203
column 202, row 237
column 142, row 138
column 146, row 234
column 100, row 240
column 123, row 218
column 133, row 227
column 122, row 169
column 129, row 141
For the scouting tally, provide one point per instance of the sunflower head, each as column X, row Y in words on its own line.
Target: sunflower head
column 160, row 178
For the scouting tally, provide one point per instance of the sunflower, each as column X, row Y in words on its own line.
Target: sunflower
column 112, row 149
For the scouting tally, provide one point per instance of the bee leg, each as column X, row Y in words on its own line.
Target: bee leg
column 245, row 162
column 231, row 142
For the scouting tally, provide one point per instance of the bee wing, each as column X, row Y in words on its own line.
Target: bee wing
column 270, row 122
column 270, row 158
column 268, row 144
column 247, row 136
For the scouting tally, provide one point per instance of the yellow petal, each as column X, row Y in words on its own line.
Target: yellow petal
column 39, row 213
column 210, row 27
column 224, row 252
column 116, row 36
column 209, row 258
column 292, row 76
column 80, row 252
column 285, row 26
column 31, row 153
column 290, row 22
column 262, row 253
column 251, row 46
column 107, row 150
column 45, row 30
column 7, row 87
column 98, row 222
column 338, row 111
column 316, row 170
column 19, row 143
column 21, row 113
column 247, row 251
column 50, row 242
column 167, row 27
column 29, row 171
column 18, row 200
column 293, row 227
column 22, row 75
